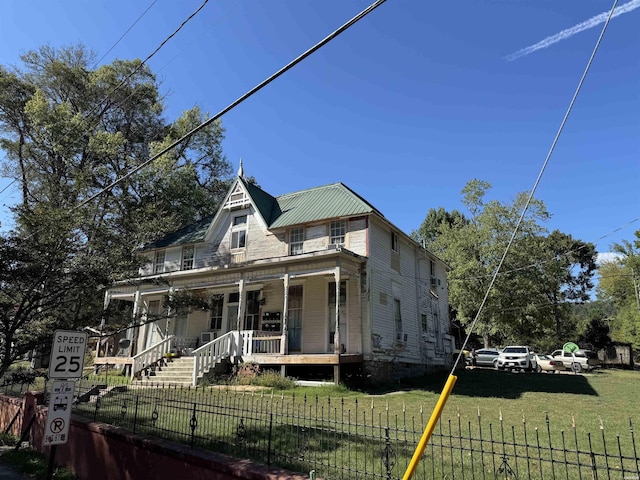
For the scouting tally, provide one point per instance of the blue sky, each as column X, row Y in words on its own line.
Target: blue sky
column 405, row 107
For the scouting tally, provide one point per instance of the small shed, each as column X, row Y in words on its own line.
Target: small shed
column 616, row 354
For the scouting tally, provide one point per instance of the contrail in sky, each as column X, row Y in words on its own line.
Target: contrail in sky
column 569, row 32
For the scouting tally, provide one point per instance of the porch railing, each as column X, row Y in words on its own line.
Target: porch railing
column 254, row 342
column 151, row 355
column 211, row 353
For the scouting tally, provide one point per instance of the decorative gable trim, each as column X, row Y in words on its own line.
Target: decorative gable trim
column 238, row 198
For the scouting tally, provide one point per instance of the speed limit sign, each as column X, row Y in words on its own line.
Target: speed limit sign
column 67, row 354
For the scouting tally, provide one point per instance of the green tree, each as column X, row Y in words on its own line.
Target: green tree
column 619, row 285
column 435, row 220
column 541, row 271
column 68, row 132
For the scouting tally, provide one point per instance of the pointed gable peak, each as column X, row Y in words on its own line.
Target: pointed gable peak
column 241, row 170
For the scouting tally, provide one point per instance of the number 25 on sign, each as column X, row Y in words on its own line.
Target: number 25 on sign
column 67, row 354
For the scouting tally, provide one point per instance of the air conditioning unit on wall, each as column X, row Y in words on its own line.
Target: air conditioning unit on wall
column 206, row 337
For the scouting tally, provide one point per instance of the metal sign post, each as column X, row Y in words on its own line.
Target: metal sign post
column 67, row 361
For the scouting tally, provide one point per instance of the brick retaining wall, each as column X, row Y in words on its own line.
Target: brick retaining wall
column 99, row 451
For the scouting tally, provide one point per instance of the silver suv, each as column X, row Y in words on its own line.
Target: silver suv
column 516, row 357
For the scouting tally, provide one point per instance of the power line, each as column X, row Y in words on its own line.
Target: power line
column 92, row 110
column 238, row 101
column 135, row 70
column 535, row 186
column 125, row 33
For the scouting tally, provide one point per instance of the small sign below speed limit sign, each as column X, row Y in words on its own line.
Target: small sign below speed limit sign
column 67, row 354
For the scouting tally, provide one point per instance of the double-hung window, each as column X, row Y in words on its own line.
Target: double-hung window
column 337, row 232
column 188, row 254
column 296, row 240
column 239, row 232
column 158, row 264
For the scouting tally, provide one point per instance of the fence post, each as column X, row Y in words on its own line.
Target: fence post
column 387, row 452
column 95, row 412
column 135, row 414
column 193, row 423
column 269, row 443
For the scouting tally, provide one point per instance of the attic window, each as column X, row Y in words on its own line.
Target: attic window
column 237, row 199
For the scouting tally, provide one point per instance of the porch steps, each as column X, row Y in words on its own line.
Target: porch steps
column 177, row 371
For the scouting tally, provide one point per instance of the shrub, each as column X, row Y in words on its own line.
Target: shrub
column 273, row 379
column 7, row 439
column 246, row 372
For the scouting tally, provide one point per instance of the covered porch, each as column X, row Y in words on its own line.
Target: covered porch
column 305, row 311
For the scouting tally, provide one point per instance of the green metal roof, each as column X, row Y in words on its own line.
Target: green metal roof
column 191, row 234
column 306, row 206
column 265, row 203
column 320, row 203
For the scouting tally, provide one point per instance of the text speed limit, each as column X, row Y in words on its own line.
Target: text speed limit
column 67, row 354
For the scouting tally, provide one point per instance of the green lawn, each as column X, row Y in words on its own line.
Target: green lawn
column 331, row 427
column 610, row 395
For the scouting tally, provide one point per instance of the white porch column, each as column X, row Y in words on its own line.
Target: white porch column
column 284, row 347
column 166, row 323
column 133, row 334
column 241, row 304
column 336, row 338
column 107, row 300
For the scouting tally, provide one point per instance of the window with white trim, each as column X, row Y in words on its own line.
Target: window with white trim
column 158, row 263
column 337, row 232
column 296, row 240
column 239, row 232
column 188, row 254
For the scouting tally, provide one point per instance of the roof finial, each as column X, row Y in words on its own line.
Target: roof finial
column 241, row 170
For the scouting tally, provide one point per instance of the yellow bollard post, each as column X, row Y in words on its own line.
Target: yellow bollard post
column 435, row 416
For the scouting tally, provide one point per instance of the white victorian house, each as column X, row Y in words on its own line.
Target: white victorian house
column 309, row 282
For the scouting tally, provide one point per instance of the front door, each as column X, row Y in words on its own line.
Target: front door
column 294, row 315
column 252, row 311
column 154, row 334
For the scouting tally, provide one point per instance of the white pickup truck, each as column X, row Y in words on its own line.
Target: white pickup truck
column 516, row 357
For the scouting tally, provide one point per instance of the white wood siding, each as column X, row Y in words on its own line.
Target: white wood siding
column 412, row 278
column 314, row 317
column 357, row 236
column 315, row 238
column 354, row 320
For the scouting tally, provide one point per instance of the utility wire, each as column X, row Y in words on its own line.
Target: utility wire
column 125, row 33
column 535, row 186
column 104, row 100
column 156, row 50
column 235, row 103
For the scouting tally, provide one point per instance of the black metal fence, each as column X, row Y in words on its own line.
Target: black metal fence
column 346, row 439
